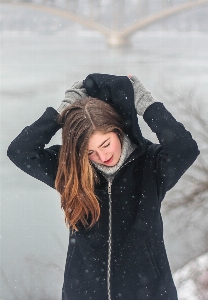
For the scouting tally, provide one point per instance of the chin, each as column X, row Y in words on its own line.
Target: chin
column 113, row 164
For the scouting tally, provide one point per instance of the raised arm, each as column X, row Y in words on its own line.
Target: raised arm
column 27, row 151
column 177, row 151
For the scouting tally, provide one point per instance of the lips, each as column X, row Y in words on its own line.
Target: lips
column 109, row 161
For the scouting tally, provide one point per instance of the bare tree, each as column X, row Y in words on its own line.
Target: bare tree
column 192, row 190
column 188, row 200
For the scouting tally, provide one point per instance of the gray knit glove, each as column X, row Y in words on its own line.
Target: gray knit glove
column 142, row 98
column 76, row 92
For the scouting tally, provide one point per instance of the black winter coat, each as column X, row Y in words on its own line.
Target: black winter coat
column 123, row 256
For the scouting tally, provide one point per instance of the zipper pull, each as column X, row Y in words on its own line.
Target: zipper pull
column 109, row 187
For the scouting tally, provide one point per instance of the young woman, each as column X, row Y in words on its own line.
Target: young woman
column 112, row 182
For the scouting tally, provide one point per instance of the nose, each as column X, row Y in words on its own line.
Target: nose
column 102, row 156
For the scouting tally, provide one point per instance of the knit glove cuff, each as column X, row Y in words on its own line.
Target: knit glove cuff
column 76, row 92
column 142, row 98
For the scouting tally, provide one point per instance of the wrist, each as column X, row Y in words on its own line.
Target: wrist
column 62, row 106
column 144, row 103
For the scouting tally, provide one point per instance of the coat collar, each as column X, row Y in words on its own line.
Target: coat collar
column 102, row 179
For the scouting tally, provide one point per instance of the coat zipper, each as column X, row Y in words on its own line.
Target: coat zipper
column 109, row 240
column 110, row 234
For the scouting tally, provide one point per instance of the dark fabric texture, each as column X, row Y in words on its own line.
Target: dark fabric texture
column 117, row 91
column 139, row 268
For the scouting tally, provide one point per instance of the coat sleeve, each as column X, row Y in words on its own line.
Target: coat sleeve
column 27, row 151
column 177, row 150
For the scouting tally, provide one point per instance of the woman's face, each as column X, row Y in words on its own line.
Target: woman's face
column 104, row 148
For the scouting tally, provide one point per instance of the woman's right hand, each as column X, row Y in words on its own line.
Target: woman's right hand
column 76, row 92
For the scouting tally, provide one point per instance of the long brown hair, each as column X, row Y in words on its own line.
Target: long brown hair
column 76, row 176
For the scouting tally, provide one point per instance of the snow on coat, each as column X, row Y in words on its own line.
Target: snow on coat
column 123, row 255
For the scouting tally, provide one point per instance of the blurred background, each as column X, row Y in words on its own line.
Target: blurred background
column 46, row 45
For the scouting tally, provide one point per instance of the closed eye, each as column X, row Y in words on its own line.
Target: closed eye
column 106, row 145
column 102, row 147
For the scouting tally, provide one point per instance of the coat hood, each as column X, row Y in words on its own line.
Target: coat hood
column 118, row 92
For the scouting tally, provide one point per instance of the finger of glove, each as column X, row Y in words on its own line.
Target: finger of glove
column 73, row 95
column 77, row 85
column 135, row 79
column 137, row 83
column 78, row 91
column 138, row 87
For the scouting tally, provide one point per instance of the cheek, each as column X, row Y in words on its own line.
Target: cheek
column 117, row 148
column 92, row 158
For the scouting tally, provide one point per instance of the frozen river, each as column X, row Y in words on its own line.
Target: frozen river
column 36, row 69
